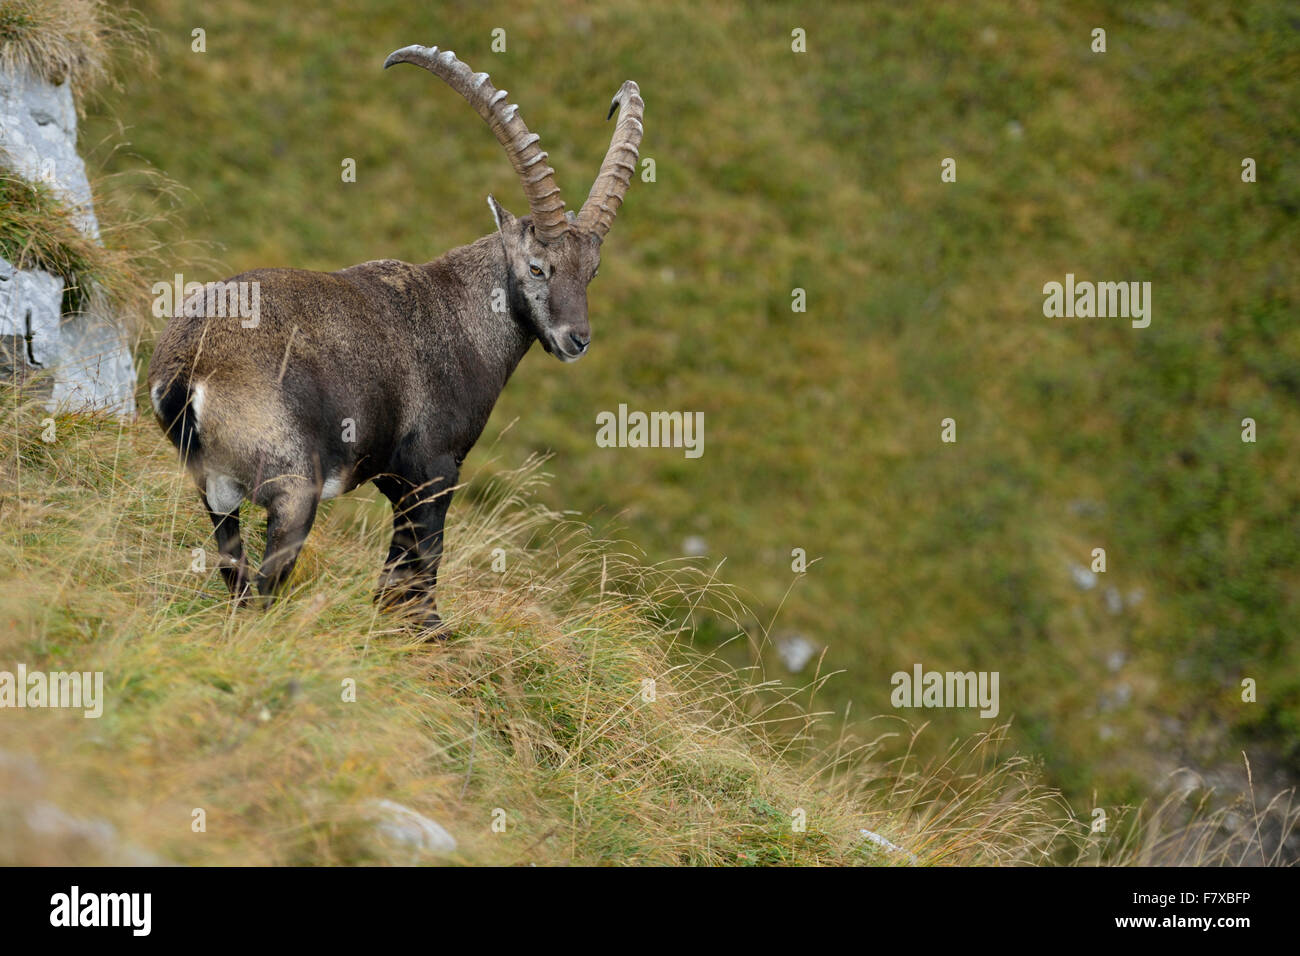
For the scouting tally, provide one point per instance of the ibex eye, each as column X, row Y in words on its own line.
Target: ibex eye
column 536, row 271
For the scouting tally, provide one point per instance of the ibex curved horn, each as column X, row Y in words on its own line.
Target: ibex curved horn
column 616, row 171
column 526, row 156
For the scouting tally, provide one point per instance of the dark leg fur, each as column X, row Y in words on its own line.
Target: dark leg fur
column 410, row 573
column 289, row 517
column 234, row 566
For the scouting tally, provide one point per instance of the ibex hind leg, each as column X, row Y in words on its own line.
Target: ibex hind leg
column 230, row 546
column 290, row 513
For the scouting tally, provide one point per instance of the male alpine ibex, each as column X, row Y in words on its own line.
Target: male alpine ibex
column 386, row 371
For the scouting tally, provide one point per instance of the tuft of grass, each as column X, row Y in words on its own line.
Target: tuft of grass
column 1192, row 825
column 38, row 230
column 66, row 41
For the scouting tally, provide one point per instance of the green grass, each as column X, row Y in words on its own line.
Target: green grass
column 821, row 171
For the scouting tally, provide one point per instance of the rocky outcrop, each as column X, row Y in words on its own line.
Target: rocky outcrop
column 86, row 353
column 31, row 305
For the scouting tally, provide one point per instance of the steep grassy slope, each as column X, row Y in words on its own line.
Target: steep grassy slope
column 778, row 170
column 565, row 709
column 568, row 723
column 573, row 713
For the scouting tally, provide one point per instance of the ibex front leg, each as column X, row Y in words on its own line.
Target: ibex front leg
column 410, row 574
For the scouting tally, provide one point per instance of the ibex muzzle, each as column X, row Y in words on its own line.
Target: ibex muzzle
column 385, row 371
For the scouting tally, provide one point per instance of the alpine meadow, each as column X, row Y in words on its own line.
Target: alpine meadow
column 927, row 493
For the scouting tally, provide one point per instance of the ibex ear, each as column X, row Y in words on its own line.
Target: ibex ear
column 500, row 214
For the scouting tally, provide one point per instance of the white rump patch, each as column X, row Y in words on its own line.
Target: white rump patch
column 155, row 395
column 332, row 488
column 197, row 396
column 224, row 494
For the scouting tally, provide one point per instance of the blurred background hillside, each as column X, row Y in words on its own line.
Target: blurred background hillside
column 778, row 170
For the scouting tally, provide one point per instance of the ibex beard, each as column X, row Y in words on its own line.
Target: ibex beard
column 384, row 372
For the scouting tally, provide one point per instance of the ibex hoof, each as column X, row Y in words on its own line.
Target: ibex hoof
column 417, row 609
column 435, row 631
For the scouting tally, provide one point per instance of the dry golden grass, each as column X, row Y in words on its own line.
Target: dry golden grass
column 537, row 710
column 110, row 278
column 72, row 41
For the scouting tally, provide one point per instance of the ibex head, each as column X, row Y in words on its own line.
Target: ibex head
column 552, row 255
column 548, row 281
